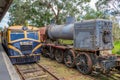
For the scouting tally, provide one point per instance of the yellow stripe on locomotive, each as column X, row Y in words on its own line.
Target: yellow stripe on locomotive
column 22, row 44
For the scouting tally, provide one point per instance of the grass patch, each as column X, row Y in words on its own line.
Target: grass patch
column 116, row 49
column 65, row 41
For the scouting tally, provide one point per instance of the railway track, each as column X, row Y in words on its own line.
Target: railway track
column 35, row 72
column 38, row 72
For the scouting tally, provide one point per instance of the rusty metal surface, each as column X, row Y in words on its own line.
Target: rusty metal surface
column 42, row 30
column 56, row 46
column 61, row 47
column 59, row 55
column 4, row 5
column 50, row 44
column 42, row 34
column 84, row 63
column 69, row 58
column 89, row 35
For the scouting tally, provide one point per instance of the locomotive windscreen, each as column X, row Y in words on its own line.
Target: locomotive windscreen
column 32, row 35
column 16, row 35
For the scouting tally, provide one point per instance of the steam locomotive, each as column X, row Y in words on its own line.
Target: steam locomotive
column 90, row 39
column 22, row 44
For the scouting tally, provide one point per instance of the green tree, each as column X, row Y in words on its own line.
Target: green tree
column 93, row 14
column 19, row 11
column 112, row 8
column 116, row 29
column 40, row 12
column 109, row 6
column 61, row 8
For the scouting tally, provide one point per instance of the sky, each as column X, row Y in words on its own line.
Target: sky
column 5, row 20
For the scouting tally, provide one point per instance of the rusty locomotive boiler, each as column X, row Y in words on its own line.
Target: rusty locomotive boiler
column 90, row 38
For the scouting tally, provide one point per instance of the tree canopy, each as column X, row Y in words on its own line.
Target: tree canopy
column 41, row 12
column 109, row 6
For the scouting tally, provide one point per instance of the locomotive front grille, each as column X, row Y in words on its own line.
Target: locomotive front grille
column 26, row 47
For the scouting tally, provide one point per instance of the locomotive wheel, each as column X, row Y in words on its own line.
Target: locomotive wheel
column 69, row 58
column 51, row 54
column 84, row 63
column 45, row 51
column 59, row 55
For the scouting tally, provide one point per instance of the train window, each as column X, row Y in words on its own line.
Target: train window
column 33, row 35
column 16, row 35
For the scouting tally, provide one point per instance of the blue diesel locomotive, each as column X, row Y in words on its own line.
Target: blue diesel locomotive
column 22, row 44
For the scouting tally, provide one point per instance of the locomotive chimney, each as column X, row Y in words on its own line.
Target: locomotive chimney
column 70, row 20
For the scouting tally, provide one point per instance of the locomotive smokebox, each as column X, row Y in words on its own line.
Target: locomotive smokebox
column 62, row 31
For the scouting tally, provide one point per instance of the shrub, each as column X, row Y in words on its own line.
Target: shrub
column 116, row 49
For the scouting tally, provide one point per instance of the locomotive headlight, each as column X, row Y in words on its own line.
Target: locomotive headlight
column 24, row 28
column 25, row 43
column 21, row 43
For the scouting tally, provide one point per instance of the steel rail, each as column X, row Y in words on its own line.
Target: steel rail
column 23, row 78
column 40, row 66
column 48, row 71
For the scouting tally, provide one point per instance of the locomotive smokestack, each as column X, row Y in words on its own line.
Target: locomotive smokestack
column 70, row 20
